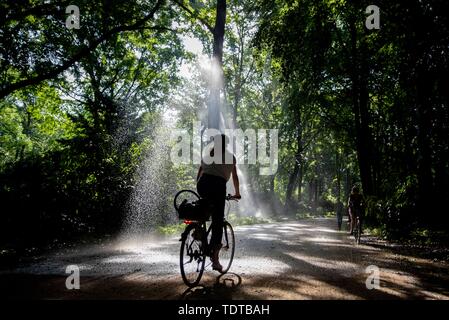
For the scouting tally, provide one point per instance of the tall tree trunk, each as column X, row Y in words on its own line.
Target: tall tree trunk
column 300, row 178
column 214, row 115
column 311, row 192
column 238, row 82
column 293, row 179
column 315, row 194
column 291, row 185
column 338, row 175
column 359, row 74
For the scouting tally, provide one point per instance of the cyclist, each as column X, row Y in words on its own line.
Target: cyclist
column 356, row 203
column 216, row 168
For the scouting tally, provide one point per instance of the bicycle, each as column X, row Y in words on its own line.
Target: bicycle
column 195, row 241
column 357, row 232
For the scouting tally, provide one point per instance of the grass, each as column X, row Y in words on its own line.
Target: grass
column 171, row 229
column 178, row 228
column 418, row 236
column 304, row 215
column 377, row 232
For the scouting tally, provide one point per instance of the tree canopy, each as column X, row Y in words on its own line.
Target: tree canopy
column 80, row 108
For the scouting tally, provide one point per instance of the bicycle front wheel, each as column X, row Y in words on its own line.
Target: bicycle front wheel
column 359, row 231
column 192, row 255
column 226, row 255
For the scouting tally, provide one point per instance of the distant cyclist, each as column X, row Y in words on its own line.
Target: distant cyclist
column 216, row 168
column 356, row 204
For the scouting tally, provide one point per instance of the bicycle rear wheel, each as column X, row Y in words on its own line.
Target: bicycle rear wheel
column 226, row 255
column 358, row 231
column 192, row 255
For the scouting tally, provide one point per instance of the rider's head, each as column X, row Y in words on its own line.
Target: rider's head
column 355, row 189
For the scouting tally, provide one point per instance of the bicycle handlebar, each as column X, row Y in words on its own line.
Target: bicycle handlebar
column 231, row 197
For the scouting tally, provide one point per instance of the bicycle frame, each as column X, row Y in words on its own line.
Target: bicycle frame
column 206, row 230
column 199, row 230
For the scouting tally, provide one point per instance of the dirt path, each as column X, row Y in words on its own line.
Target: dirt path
column 307, row 259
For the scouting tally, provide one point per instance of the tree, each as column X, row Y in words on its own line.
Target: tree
column 29, row 60
column 218, row 32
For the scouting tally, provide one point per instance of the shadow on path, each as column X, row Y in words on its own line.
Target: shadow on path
column 224, row 288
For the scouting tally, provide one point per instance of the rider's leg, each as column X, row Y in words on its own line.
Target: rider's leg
column 352, row 224
column 217, row 231
column 217, row 225
column 214, row 189
column 205, row 187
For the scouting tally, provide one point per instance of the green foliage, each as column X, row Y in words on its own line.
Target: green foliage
column 306, row 215
column 371, row 101
column 80, row 108
column 71, row 145
column 171, row 229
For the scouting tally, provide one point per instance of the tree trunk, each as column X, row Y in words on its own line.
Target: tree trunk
column 300, row 178
column 291, row 185
column 359, row 74
column 214, row 113
column 311, row 192
column 238, row 83
column 338, row 175
column 293, row 179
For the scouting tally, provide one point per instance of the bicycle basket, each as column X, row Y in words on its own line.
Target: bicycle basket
column 194, row 210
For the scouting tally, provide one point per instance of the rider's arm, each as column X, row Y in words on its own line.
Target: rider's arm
column 200, row 172
column 235, row 180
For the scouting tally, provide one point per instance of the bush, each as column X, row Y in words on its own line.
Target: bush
column 395, row 215
column 326, row 205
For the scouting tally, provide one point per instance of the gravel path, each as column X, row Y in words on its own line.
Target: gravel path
column 306, row 259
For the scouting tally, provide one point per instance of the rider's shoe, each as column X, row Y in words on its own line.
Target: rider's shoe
column 217, row 266
column 214, row 258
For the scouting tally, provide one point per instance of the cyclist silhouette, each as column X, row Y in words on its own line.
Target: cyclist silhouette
column 216, row 168
column 356, row 204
